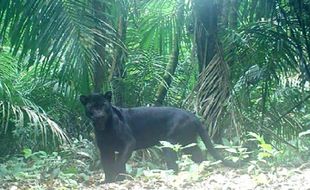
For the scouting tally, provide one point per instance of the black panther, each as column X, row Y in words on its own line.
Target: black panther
column 124, row 130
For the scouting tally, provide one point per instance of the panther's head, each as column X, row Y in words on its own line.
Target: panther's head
column 97, row 106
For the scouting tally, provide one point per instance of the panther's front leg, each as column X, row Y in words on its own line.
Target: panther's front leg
column 109, row 165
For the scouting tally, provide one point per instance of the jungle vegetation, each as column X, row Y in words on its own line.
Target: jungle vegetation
column 243, row 66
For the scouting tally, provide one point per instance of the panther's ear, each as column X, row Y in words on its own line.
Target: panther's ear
column 83, row 99
column 108, row 96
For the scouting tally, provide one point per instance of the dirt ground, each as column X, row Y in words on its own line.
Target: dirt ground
column 214, row 178
column 223, row 178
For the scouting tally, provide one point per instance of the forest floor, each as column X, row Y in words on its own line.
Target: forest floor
column 215, row 178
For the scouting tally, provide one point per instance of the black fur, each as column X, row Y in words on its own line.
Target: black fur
column 124, row 130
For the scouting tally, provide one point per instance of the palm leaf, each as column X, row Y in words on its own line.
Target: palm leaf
column 57, row 35
column 15, row 104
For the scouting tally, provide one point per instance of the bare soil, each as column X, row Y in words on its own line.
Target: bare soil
column 210, row 178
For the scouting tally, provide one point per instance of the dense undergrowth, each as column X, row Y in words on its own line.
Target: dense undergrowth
column 78, row 163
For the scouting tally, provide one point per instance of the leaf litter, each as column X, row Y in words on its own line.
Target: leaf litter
column 213, row 178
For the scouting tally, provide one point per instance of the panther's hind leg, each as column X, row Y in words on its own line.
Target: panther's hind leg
column 171, row 158
column 195, row 152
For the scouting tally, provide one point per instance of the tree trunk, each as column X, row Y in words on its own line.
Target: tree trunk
column 170, row 69
column 117, row 70
column 206, row 32
column 174, row 59
column 99, row 69
column 213, row 70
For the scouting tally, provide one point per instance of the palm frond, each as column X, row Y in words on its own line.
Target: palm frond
column 57, row 35
column 15, row 105
column 157, row 23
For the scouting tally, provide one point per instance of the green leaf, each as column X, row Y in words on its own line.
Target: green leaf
column 266, row 147
column 189, row 145
column 27, row 152
column 305, row 133
column 71, row 169
column 264, row 155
